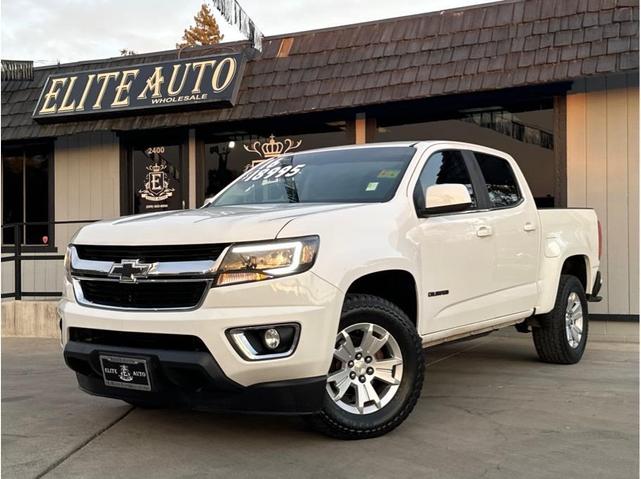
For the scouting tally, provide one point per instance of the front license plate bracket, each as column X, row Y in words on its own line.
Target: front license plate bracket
column 125, row 372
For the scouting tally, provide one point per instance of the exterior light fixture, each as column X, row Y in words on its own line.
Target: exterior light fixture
column 271, row 338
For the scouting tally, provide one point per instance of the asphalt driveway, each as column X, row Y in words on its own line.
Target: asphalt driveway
column 488, row 409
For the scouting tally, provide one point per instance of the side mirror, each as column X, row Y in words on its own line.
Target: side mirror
column 446, row 198
column 208, row 201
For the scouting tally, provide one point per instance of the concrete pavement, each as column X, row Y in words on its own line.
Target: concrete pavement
column 488, row 409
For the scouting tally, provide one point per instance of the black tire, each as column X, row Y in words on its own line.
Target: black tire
column 550, row 337
column 336, row 422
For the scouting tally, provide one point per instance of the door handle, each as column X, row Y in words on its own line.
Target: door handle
column 529, row 226
column 483, row 231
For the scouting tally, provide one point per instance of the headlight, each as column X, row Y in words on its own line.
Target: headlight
column 67, row 264
column 259, row 261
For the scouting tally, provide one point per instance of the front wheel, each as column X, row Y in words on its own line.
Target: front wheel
column 563, row 332
column 377, row 370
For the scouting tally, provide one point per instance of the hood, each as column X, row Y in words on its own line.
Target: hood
column 225, row 224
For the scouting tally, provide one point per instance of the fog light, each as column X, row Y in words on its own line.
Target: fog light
column 271, row 338
column 271, row 341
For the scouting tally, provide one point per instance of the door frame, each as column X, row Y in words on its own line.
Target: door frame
column 477, row 181
column 523, row 205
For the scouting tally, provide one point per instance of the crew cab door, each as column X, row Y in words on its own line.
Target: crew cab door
column 514, row 227
column 456, row 256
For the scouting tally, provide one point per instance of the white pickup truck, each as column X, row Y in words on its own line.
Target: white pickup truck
column 312, row 283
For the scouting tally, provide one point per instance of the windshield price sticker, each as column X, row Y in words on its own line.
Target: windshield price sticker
column 388, row 173
column 266, row 173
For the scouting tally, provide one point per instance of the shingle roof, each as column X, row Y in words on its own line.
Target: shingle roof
column 485, row 47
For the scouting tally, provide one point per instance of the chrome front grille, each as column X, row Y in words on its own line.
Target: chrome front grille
column 173, row 277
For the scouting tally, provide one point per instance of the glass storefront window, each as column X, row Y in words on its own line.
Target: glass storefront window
column 527, row 135
column 228, row 155
column 26, row 198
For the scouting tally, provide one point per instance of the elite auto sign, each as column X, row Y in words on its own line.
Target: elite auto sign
column 206, row 80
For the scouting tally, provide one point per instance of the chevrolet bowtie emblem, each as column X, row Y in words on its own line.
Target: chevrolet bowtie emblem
column 130, row 270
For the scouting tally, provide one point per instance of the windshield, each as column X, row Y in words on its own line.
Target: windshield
column 355, row 175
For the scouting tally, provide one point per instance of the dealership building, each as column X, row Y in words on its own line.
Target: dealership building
column 554, row 84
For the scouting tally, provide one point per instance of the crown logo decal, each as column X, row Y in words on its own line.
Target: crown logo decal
column 272, row 148
column 156, row 186
column 155, row 167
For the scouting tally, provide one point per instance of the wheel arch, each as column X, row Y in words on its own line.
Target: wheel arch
column 577, row 265
column 398, row 286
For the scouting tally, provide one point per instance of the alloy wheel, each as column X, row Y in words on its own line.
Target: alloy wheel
column 574, row 320
column 367, row 369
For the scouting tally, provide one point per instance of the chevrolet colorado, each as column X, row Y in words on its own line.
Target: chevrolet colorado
column 312, row 284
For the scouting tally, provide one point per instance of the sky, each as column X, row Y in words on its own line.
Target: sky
column 51, row 31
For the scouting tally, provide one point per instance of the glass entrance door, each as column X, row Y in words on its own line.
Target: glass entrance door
column 156, row 172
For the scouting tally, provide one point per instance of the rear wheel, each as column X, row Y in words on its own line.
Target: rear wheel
column 563, row 332
column 376, row 375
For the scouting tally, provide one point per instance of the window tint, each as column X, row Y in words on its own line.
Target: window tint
column 356, row 175
column 443, row 167
column 499, row 178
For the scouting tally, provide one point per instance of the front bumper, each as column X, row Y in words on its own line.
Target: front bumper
column 193, row 379
column 226, row 378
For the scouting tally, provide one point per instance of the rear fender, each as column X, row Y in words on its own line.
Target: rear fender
column 550, row 275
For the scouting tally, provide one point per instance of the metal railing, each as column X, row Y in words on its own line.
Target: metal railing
column 17, row 256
